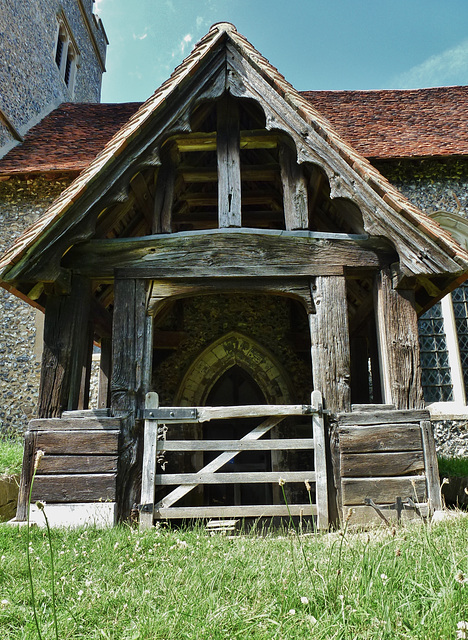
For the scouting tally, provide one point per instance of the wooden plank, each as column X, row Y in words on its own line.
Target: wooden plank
column 251, row 411
column 296, row 212
column 75, row 424
column 127, row 384
column 148, row 475
column 372, row 408
column 382, row 464
column 143, row 197
column 245, row 477
column 164, row 196
column 201, row 141
column 243, row 511
column 249, row 173
column 220, row 461
column 397, row 333
column 63, row 356
column 228, row 159
column 75, row 488
column 226, row 253
column 87, row 413
column 364, row 515
column 391, row 437
column 80, row 442
column 383, row 490
column 382, row 417
column 78, row 464
column 431, row 466
column 320, row 462
column 237, row 445
column 329, row 336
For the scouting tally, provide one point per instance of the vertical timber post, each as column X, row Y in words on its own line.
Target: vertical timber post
column 320, row 462
column 329, row 338
column 229, row 175
column 397, row 333
column 296, row 211
column 127, row 384
column 64, row 354
column 148, row 476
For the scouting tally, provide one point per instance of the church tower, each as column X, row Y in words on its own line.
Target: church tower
column 52, row 51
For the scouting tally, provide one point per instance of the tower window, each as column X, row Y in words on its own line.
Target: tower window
column 66, row 52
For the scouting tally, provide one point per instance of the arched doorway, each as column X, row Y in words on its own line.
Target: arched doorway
column 236, row 387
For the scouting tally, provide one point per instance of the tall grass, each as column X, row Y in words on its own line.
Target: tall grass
column 11, row 456
column 456, row 467
column 126, row 584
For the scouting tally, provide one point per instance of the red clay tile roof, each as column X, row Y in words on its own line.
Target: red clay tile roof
column 398, row 124
column 378, row 124
column 67, row 139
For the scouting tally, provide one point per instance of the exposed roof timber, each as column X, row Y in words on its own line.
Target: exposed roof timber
column 424, row 248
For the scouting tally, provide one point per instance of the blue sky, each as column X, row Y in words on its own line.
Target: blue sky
column 316, row 44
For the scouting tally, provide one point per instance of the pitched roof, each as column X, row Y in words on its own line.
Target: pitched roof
column 389, row 196
column 380, row 125
column 399, row 124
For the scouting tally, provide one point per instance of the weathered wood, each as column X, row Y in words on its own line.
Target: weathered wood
column 383, row 417
column 431, row 466
column 79, row 442
column 74, row 424
column 245, row 477
column 143, row 197
column 329, row 336
column 86, row 413
column 252, row 411
column 197, row 254
column 363, row 515
column 368, row 465
column 65, row 335
column 249, row 173
column 219, row 462
column 164, row 196
column 127, row 384
column 29, row 453
column 201, row 141
column 105, row 365
column 388, row 437
column 75, row 488
column 85, row 384
column 78, row 464
column 372, row 408
column 243, row 511
column 320, row 462
column 397, row 332
column 383, row 490
column 296, row 212
column 237, row 445
column 148, row 477
column 228, row 158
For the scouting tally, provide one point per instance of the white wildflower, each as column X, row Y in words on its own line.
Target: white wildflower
column 80, row 593
column 292, row 612
column 383, row 577
column 4, row 602
column 461, row 578
column 462, row 627
column 304, row 600
column 281, row 483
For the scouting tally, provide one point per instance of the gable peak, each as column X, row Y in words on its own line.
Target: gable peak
column 223, row 26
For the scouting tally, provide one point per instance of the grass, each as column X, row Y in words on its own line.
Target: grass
column 123, row 584
column 456, row 467
column 11, row 456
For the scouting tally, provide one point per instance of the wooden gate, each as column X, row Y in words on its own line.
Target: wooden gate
column 155, row 444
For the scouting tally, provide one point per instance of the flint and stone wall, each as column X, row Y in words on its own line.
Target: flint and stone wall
column 30, row 82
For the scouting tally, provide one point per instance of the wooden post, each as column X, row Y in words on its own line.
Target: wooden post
column 63, row 357
column 431, row 467
column 320, row 463
column 148, row 475
column 105, row 372
column 329, row 337
column 397, row 333
column 229, row 175
column 127, row 384
column 83, row 398
column 296, row 212
column 29, row 453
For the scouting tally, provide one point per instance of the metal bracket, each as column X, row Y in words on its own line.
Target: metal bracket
column 399, row 505
column 145, row 508
column 168, row 414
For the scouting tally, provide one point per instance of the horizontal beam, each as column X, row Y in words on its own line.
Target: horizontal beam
column 244, row 511
column 254, row 173
column 252, row 477
column 236, row 445
column 204, row 254
column 199, row 141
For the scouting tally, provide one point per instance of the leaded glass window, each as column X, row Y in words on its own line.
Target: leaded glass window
column 436, row 375
column 460, row 311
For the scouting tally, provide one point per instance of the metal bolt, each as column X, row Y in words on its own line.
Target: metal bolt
column 171, row 413
column 151, row 414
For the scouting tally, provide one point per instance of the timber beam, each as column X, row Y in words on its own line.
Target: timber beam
column 224, row 254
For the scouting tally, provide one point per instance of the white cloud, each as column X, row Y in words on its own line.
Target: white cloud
column 200, row 21
column 186, row 40
column 141, row 37
column 447, row 68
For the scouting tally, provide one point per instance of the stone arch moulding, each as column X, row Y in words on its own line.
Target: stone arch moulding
column 234, row 349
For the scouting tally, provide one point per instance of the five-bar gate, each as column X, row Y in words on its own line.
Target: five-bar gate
column 181, row 484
